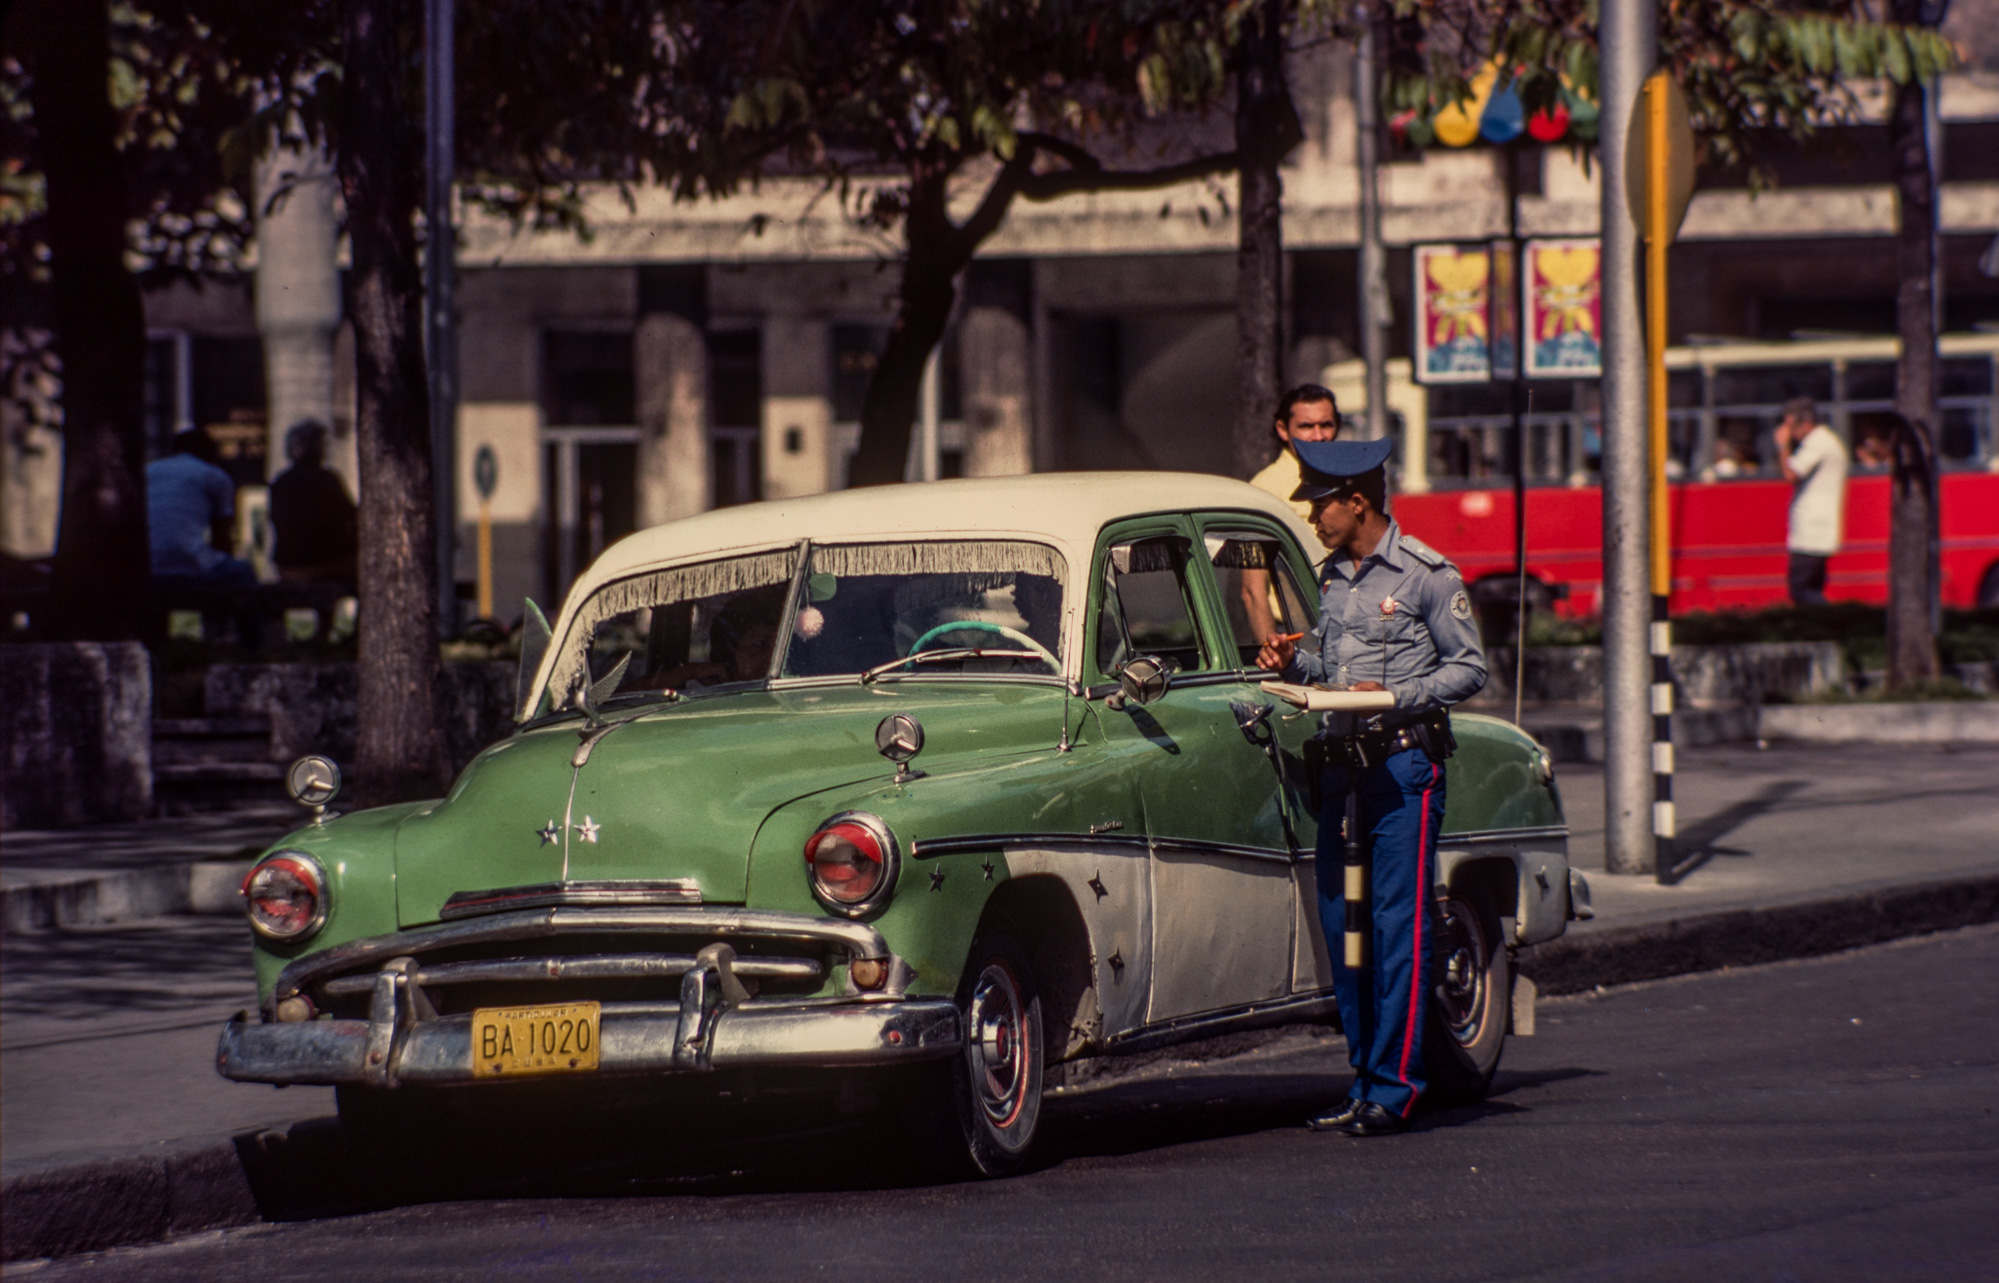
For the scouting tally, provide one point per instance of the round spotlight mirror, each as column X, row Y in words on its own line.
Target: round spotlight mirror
column 313, row 781
column 1143, row 679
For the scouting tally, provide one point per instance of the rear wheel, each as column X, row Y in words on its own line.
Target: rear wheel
column 978, row 1113
column 1470, row 1001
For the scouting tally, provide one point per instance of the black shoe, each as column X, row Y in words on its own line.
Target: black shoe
column 1372, row 1120
column 1335, row 1118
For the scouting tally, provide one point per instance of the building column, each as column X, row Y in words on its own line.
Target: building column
column 798, row 453
column 996, row 360
column 670, row 367
column 297, row 292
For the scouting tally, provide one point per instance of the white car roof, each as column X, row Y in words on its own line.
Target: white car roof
column 1064, row 509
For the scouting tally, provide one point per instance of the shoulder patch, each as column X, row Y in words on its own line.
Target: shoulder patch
column 1423, row 552
column 1460, row 605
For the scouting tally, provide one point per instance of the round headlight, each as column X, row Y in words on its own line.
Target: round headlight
column 285, row 896
column 852, row 861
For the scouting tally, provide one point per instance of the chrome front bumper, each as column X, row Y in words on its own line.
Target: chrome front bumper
column 715, row 1025
column 633, row 1038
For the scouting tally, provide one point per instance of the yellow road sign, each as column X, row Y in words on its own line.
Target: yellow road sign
column 1677, row 138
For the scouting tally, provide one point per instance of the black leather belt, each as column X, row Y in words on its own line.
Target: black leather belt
column 1370, row 745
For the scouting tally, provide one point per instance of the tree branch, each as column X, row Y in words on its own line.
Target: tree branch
column 1046, row 187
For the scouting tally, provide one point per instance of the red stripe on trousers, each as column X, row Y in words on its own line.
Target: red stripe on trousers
column 1416, row 959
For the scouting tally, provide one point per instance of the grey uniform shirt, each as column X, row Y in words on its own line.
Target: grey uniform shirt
column 1400, row 618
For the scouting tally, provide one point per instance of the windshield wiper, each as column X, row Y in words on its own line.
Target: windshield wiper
column 941, row 656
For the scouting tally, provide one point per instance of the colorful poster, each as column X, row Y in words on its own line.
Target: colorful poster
column 1451, row 314
column 1564, row 308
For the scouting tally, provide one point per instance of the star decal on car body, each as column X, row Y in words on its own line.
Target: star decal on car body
column 588, row 830
column 549, row 833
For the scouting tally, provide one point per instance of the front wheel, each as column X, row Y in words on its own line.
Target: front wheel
column 1470, row 1002
column 979, row 1111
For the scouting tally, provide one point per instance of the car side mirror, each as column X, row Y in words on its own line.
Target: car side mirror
column 535, row 638
column 1142, row 680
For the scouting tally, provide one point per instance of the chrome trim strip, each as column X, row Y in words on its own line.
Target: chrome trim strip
column 854, row 939
column 597, row 967
column 542, row 895
column 1292, row 1008
column 1195, row 846
column 929, row 848
column 1478, row 836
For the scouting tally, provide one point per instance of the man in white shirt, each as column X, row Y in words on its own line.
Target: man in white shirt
column 1814, row 462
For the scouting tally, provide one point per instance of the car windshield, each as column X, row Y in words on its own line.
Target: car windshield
column 710, row 624
column 892, row 609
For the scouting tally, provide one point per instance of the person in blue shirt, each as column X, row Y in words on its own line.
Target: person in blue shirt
column 1393, row 616
column 190, row 509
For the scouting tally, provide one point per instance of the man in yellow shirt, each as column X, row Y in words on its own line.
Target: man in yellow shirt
column 1306, row 413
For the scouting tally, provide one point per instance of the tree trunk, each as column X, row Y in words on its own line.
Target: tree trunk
column 1267, row 127
column 1912, row 512
column 929, row 289
column 103, row 574
column 398, row 755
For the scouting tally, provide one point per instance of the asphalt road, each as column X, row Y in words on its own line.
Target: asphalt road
column 1825, row 1119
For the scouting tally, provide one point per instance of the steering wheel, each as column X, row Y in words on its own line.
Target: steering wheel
column 1013, row 635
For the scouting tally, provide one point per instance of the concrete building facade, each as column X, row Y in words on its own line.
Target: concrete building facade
column 688, row 355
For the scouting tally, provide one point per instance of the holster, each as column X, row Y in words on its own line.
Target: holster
column 1370, row 743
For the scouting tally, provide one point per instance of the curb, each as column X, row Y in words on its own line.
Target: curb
column 1744, row 937
column 143, row 1199
column 122, row 1201
column 120, row 895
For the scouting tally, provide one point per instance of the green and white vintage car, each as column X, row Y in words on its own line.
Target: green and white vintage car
column 975, row 777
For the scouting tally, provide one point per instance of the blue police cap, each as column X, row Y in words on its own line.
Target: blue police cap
column 1329, row 467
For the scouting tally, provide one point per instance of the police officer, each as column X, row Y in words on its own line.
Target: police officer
column 1393, row 616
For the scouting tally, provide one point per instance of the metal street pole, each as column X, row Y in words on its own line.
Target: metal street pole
column 1373, row 256
column 929, row 465
column 1629, row 43
column 440, row 338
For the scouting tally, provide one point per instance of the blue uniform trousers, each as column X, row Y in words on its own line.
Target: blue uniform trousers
column 1382, row 1005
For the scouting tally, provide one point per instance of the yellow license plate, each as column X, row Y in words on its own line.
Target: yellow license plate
column 535, row 1040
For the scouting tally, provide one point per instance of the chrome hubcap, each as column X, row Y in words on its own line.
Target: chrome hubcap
column 1461, row 992
column 1001, row 1046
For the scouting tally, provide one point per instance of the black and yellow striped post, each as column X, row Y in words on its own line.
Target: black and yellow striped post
column 1667, row 184
column 1354, row 892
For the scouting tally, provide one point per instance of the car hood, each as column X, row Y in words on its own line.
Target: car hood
column 678, row 792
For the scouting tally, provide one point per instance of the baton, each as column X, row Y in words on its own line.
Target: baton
column 1356, row 910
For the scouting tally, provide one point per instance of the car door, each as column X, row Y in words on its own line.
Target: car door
column 1223, row 900
column 1258, row 577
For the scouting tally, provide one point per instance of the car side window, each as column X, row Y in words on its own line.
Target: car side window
column 1146, row 608
column 1259, row 588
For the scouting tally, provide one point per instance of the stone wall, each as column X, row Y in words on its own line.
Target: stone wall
column 1754, row 673
column 313, row 707
column 76, row 734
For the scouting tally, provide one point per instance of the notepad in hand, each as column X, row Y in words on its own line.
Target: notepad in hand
column 1317, row 699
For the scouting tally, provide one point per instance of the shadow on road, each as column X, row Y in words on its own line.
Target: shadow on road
column 541, row 1140
column 535, row 1141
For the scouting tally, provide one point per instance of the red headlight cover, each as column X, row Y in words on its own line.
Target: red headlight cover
column 285, row 897
column 847, row 862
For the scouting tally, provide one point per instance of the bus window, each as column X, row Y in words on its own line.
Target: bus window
column 1771, row 385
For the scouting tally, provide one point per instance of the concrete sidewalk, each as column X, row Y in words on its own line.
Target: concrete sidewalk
column 107, row 1033
column 109, row 873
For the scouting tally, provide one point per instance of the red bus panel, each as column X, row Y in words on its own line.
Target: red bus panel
column 1728, row 540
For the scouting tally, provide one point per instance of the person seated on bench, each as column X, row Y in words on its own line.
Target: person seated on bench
column 190, row 514
column 311, row 515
